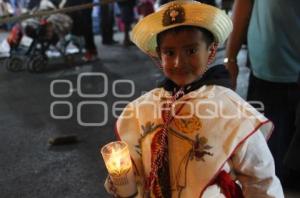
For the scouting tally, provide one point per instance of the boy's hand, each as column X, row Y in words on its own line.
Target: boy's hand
column 109, row 187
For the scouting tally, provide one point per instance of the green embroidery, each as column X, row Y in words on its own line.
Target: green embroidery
column 138, row 149
column 148, row 128
column 200, row 149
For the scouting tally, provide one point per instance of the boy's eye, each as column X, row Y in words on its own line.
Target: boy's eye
column 191, row 51
column 168, row 52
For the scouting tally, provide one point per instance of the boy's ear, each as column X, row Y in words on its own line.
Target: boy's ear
column 211, row 47
column 212, row 52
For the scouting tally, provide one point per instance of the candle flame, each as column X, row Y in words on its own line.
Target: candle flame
column 119, row 163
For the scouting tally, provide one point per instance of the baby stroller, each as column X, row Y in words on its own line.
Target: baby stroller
column 46, row 32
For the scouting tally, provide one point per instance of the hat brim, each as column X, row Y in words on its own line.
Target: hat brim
column 196, row 14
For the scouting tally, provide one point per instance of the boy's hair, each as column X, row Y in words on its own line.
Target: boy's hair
column 208, row 36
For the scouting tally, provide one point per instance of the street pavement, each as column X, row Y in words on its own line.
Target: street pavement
column 30, row 167
column 59, row 102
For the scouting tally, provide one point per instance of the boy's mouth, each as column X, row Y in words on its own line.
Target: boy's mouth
column 181, row 70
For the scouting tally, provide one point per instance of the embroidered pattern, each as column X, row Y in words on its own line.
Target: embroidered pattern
column 188, row 125
column 174, row 14
column 200, row 149
column 148, row 128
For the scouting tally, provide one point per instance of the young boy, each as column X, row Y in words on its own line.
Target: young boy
column 194, row 137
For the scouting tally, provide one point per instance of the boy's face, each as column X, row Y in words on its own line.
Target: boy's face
column 184, row 55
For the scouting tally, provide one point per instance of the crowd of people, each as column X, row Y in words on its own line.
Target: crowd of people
column 127, row 12
column 121, row 14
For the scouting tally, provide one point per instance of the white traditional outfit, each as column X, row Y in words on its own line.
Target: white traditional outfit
column 215, row 141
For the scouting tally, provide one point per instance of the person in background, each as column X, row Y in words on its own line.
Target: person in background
column 272, row 29
column 7, row 9
column 128, row 17
column 145, row 7
column 210, row 2
column 83, row 26
column 107, row 23
column 33, row 3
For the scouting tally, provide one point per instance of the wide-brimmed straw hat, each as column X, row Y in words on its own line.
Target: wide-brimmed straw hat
column 180, row 13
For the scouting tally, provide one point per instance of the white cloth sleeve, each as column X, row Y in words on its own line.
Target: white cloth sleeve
column 254, row 167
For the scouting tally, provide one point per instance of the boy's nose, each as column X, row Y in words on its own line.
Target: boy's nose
column 179, row 61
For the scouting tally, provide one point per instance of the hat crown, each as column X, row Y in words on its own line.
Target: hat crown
column 180, row 13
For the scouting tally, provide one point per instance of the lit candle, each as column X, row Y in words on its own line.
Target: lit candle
column 118, row 163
